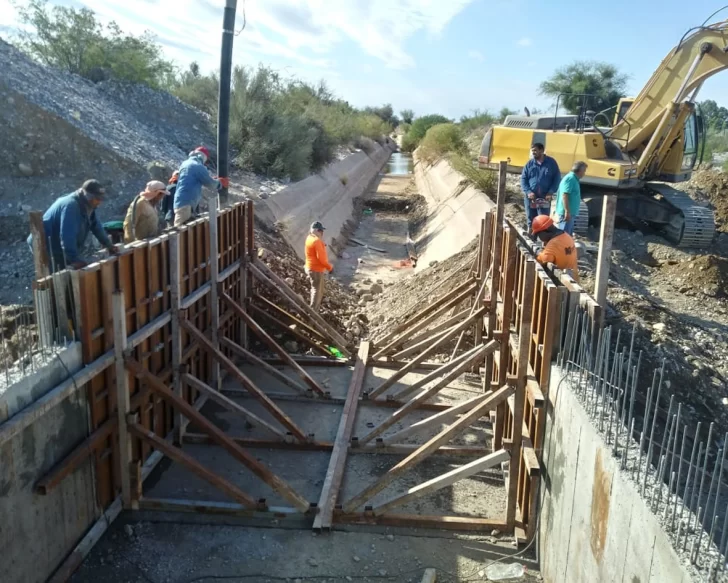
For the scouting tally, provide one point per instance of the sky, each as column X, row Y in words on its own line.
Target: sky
column 432, row 56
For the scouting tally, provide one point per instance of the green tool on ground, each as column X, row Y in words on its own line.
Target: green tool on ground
column 335, row 351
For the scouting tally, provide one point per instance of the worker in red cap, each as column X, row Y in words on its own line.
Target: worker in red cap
column 193, row 175
column 559, row 247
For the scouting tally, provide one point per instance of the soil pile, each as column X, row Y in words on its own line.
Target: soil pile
column 712, row 186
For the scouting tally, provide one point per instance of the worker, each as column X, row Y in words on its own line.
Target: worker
column 568, row 198
column 168, row 201
column 193, row 175
column 142, row 218
column 317, row 263
column 539, row 181
column 67, row 224
column 559, row 247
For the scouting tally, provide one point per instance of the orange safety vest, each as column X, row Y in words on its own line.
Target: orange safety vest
column 316, row 257
column 561, row 251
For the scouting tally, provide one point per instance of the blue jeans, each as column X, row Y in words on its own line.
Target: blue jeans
column 533, row 212
column 566, row 226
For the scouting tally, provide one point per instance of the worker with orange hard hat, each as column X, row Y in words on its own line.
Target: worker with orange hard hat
column 559, row 247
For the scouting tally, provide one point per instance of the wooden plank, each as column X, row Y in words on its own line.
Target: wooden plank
column 283, row 314
column 604, row 258
column 454, row 370
column 428, row 448
column 335, row 471
column 272, row 344
column 122, row 398
column 443, row 481
column 179, row 456
column 430, row 576
column 423, row 355
column 41, row 256
column 524, row 342
column 175, row 293
column 269, row 405
column 214, row 291
column 292, row 330
column 464, row 523
column 435, row 420
column 230, row 405
column 191, row 299
column 219, row 436
column 267, row 368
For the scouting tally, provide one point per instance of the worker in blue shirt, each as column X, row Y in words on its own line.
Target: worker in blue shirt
column 68, row 222
column 193, row 175
column 539, row 181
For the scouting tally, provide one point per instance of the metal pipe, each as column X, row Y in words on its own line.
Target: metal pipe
column 670, row 418
column 679, row 475
column 223, row 110
column 705, row 468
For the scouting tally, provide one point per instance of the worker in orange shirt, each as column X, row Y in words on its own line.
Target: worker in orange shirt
column 559, row 247
column 317, row 263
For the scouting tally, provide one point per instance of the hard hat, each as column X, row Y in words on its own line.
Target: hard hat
column 204, row 151
column 541, row 223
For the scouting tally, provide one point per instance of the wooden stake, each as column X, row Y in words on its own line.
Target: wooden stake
column 423, row 355
column 251, row 387
column 443, row 481
column 259, row 362
column 273, row 345
column 430, row 576
column 427, row 449
column 214, row 301
column 219, row 436
column 230, row 405
column 335, row 472
column 177, row 455
column 606, row 238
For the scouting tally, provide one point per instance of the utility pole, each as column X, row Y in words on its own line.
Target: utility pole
column 223, row 110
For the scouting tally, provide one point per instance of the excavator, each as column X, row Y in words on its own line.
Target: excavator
column 635, row 152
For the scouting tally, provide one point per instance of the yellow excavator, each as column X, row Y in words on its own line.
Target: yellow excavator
column 648, row 143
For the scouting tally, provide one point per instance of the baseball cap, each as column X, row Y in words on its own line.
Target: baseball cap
column 317, row 226
column 93, row 188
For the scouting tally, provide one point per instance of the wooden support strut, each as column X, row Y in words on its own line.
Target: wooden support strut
column 451, row 371
column 424, row 354
column 261, row 269
column 230, row 405
column 335, row 471
column 177, row 455
column 446, row 479
column 219, row 436
column 267, row 368
column 292, row 329
column 262, row 398
column 272, row 344
column 427, row 449
column 214, row 290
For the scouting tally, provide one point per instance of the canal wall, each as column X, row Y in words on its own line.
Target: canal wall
column 328, row 196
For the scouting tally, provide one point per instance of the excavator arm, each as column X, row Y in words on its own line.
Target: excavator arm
column 653, row 124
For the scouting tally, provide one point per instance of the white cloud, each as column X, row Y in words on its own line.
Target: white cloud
column 303, row 31
column 476, row 55
column 524, row 42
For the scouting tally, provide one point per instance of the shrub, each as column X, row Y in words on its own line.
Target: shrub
column 485, row 180
column 419, row 128
column 440, row 140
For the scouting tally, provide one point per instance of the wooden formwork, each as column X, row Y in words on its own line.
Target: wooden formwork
column 163, row 322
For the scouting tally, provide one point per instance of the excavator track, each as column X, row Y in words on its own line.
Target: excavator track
column 694, row 226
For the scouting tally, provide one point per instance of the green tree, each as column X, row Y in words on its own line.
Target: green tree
column 73, row 40
column 601, row 80
column 200, row 91
column 505, row 112
column 407, row 116
column 714, row 115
